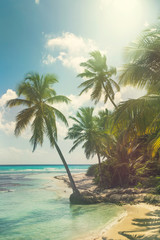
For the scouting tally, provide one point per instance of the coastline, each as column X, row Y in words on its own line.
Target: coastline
column 138, row 219
column 127, row 226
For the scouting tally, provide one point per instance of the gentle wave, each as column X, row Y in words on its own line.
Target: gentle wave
column 40, row 170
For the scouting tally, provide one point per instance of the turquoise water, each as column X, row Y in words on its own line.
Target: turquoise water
column 33, row 206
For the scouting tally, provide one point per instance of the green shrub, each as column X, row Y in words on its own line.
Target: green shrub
column 92, row 170
column 116, row 174
column 113, row 174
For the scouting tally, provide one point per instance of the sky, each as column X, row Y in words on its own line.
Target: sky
column 49, row 36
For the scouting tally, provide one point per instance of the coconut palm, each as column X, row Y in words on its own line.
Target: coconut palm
column 140, row 117
column 86, row 131
column 38, row 96
column 99, row 78
column 143, row 69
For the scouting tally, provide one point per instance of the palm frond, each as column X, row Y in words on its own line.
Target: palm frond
column 51, row 131
column 75, row 145
column 144, row 56
column 97, row 92
column 38, row 130
column 28, row 91
column 53, row 111
column 75, row 119
column 46, row 90
column 155, row 145
column 49, row 80
column 135, row 75
column 23, row 118
column 60, row 116
column 87, row 83
column 138, row 111
column 17, row 102
column 116, row 85
column 58, row 99
column 86, row 89
column 87, row 74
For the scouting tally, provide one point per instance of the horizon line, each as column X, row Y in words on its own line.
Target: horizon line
column 42, row 164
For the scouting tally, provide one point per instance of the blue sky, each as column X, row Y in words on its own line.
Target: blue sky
column 49, row 36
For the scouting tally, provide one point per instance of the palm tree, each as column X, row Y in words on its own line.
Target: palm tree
column 86, row 130
column 143, row 69
column 140, row 117
column 39, row 97
column 99, row 78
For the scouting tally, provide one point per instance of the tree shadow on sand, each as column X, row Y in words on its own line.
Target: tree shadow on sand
column 148, row 228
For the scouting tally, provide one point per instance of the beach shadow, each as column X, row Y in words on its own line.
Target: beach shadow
column 149, row 228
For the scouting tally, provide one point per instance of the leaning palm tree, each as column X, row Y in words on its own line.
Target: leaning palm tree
column 86, row 131
column 38, row 96
column 99, row 78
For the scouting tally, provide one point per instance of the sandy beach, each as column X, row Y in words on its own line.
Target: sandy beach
column 134, row 223
column 141, row 220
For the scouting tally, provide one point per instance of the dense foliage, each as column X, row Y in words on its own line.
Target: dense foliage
column 132, row 131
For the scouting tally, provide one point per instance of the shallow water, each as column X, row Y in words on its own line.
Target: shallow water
column 33, row 206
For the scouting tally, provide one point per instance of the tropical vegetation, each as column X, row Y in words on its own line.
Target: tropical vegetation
column 132, row 133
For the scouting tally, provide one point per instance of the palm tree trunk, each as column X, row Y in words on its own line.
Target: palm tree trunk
column 112, row 101
column 73, row 185
column 100, row 168
column 109, row 96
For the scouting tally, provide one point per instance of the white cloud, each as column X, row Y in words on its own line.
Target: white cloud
column 48, row 59
column 37, row 1
column 8, row 115
column 6, row 125
column 7, row 96
column 70, row 49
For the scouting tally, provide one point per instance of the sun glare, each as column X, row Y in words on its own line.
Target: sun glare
column 126, row 13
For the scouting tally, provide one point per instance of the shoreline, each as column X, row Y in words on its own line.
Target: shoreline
column 124, row 224
column 141, row 219
column 127, row 224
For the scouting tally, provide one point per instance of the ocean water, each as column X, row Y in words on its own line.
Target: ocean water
column 35, row 206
